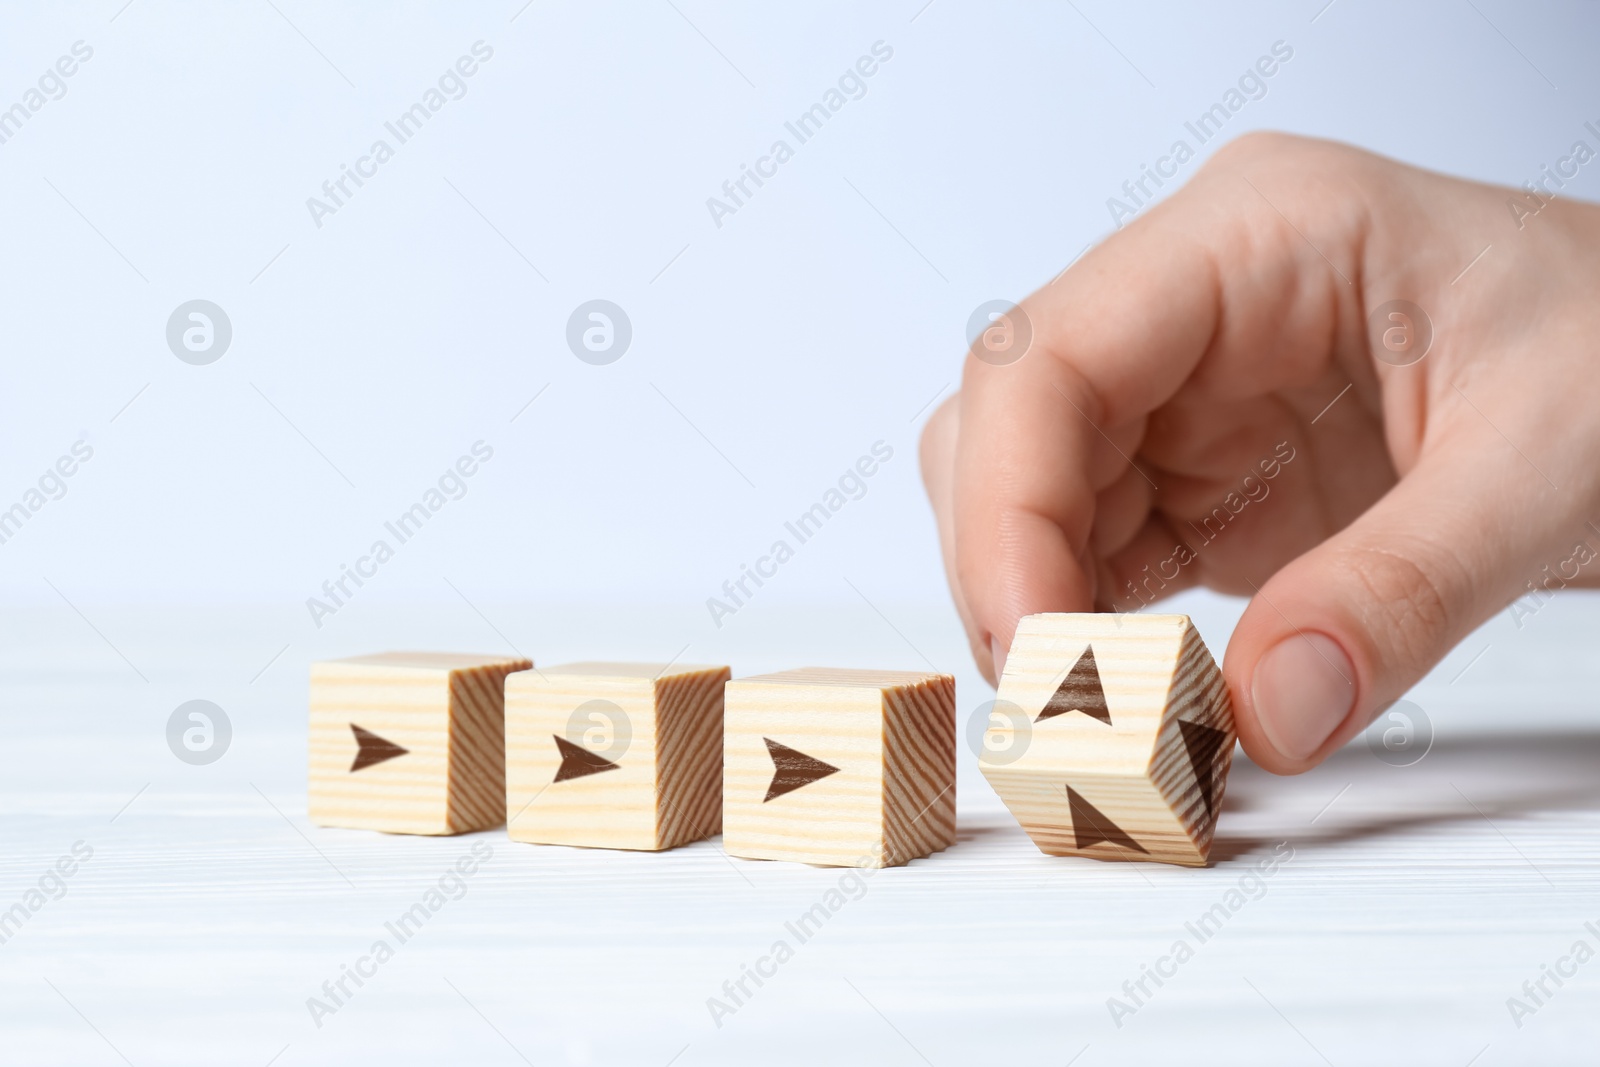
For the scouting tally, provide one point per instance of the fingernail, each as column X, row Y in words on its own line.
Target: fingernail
column 1303, row 690
column 997, row 655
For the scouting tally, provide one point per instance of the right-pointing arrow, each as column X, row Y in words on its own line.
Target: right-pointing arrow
column 1090, row 825
column 792, row 769
column 577, row 761
column 370, row 748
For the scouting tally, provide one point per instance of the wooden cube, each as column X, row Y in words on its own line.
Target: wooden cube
column 847, row 768
column 614, row 755
column 1115, row 737
column 409, row 742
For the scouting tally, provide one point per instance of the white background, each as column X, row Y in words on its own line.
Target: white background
column 768, row 354
column 793, row 337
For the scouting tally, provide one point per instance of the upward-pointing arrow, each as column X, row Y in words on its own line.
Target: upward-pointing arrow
column 370, row 749
column 792, row 769
column 1080, row 690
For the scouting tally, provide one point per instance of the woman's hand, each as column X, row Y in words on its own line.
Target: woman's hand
column 1223, row 394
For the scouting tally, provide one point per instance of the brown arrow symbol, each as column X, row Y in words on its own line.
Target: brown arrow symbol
column 372, row 749
column 792, row 769
column 1202, row 742
column 1080, row 690
column 1090, row 825
column 579, row 762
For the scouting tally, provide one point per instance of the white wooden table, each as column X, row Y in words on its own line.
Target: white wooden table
column 1416, row 902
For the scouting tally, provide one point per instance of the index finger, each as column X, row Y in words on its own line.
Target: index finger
column 1113, row 339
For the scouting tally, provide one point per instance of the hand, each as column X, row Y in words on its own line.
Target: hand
column 1207, row 401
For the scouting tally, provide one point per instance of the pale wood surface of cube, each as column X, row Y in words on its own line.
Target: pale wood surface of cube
column 1135, row 772
column 409, row 742
column 847, row 768
column 657, row 787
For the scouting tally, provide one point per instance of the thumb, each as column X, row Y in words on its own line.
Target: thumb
column 1344, row 630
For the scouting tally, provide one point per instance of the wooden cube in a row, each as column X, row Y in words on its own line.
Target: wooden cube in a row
column 1117, row 736
column 841, row 767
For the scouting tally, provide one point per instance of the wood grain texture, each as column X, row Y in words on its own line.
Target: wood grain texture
column 889, row 737
column 409, row 742
column 1130, row 788
column 1415, row 902
column 639, row 760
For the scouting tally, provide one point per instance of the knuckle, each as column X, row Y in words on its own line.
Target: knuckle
column 932, row 443
column 1272, row 156
column 1255, row 146
column 1406, row 608
column 935, row 431
column 936, row 446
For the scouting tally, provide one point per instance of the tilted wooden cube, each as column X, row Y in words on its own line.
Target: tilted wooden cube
column 848, row 768
column 409, row 742
column 1115, row 734
column 614, row 755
